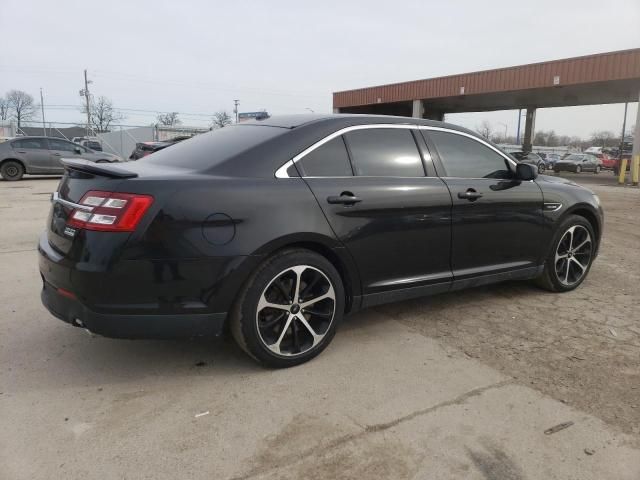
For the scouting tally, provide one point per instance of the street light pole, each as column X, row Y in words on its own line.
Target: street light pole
column 518, row 132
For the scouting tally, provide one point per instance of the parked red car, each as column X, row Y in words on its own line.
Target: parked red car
column 607, row 162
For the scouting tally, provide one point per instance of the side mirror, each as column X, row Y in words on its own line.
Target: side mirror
column 77, row 150
column 526, row 171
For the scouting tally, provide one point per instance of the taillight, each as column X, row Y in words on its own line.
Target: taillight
column 110, row 211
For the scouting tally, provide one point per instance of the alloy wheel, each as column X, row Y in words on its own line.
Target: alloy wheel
column 573, row 255
column 295, row 310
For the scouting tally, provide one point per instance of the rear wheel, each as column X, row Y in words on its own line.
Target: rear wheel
column 541, row 168
column 12, row 170
column 597, row 170
column 578, row 169
column 289, row 310
column 571, row 256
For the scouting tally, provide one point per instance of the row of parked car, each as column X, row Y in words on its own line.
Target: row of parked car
column 569, row 162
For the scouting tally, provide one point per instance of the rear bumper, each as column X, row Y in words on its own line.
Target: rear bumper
column 147, row 326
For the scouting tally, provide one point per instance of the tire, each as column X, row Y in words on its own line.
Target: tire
column 541, row 168
column 597, row 170
column 578, row 169
column 277, row 337
column 556, row 267
column 12, row 170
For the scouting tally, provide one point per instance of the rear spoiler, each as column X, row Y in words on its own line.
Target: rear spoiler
column 104, row 169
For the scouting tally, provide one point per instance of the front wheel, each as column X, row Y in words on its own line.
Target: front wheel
column 578, row 169
column 289, row 309
column 571, row 255
column 12, row 170
column 541, row 168
column 597, row 170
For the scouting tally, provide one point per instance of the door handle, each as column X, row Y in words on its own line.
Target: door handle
column 470, row 195
column 345, row 198
column 21, row 151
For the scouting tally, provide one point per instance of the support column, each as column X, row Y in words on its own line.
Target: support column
column 336, row 110
column 418, row 109
column 635, row 152
column 529, row 129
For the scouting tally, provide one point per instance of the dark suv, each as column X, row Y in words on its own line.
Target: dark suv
column 280, row 227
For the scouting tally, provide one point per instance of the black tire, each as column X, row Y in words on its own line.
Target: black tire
column 578, row 169
column 245, row 316
column 12, row 170
column 550, row 280
column 597, row 170
column 541, row 168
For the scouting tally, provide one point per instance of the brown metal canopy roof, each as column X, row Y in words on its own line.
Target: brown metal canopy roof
column 612, row 77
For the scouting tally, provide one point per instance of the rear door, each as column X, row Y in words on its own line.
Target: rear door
column 497, row 220
column 35, row 154
column 393, row 219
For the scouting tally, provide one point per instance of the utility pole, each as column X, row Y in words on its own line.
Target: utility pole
column 518, row 131
column 44, row 128
column 86, row 97
column 235, row 108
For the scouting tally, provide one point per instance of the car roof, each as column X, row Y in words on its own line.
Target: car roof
column 299, row 120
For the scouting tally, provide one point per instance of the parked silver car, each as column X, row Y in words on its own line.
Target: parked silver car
column 41, row 155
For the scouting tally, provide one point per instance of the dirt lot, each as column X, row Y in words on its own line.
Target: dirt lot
column 583, row 347
column 455, row 386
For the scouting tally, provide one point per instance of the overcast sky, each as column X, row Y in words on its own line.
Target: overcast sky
column 289, row 56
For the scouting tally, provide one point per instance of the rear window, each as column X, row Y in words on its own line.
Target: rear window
column 210, row 149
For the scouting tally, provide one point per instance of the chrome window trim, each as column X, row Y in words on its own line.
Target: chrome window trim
column 55, row 197
column 282, row 171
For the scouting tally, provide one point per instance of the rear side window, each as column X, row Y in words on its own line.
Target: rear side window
column 464, row 157
column 37, row 143
column 213, row 148
column 384, row 152
column 62, row 145
column 328, row 160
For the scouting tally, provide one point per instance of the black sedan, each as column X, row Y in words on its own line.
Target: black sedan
column 147, row 148
column 578, row 162
column 280, row 227
column 532, row 159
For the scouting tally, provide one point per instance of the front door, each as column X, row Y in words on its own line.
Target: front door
column 394, row 220
column 497, row 220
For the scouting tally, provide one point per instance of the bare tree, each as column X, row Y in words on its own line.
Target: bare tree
column 603, row 138
column 102, row 114
column 221, row 119
column 169, row 119
column 4, row 109
column 21, row 105
column 485, row 129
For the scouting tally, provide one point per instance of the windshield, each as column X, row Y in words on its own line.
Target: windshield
column 213, row 148
column 574, row 157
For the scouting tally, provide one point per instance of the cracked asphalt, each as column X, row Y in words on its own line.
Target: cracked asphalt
column 455, row 386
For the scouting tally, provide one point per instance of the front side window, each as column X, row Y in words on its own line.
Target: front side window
column 35, row 143
column 328, row 160
column 465, row 157
column 62, row 145
column 384, row 152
